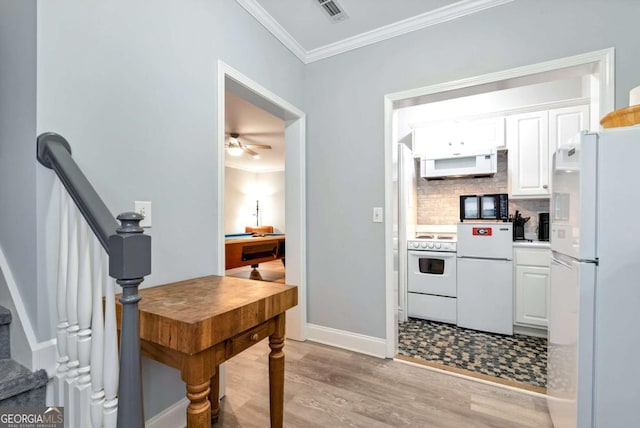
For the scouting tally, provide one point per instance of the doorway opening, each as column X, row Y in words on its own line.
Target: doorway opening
column 583, row 83
column 268, row 196
column 254, row 202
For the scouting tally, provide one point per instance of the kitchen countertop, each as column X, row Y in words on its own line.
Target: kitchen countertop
column 532, row 244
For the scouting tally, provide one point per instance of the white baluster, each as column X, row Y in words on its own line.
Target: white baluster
column 61, row 296
column 97, row 340
column 111, row 363
column 72, row 317
column 83, row 386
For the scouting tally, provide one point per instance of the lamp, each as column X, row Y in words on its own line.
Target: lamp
column 234, row 148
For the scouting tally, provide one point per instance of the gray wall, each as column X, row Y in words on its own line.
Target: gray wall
column 345, row 154
column 17, row 145
column 132, row 85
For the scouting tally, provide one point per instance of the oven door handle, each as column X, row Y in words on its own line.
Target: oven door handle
column 433, row 254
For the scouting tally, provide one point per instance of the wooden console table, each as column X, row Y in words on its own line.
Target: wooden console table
column 196, row 325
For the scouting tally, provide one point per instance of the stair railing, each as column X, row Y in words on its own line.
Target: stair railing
column 87, row 369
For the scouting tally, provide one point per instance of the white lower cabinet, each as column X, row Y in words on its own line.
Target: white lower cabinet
column 531, row 290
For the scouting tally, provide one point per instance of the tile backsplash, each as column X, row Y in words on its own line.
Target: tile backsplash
column 439, row 200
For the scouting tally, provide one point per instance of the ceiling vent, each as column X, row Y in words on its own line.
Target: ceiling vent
column 333, row 10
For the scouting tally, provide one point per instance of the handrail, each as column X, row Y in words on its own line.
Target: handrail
column 129, row 251
column 54, row 152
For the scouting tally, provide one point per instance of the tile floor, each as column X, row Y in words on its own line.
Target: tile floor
column 517, row 358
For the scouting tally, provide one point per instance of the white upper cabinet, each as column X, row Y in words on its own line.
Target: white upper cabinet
column 565, row 123
column 532, row 138
column 483, row 133
column 528, row 143
column 458, row 136
column 433, row 139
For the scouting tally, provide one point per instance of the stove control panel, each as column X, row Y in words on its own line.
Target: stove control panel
column 431, row 245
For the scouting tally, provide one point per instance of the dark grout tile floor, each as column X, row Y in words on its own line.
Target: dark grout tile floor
column 516, row 358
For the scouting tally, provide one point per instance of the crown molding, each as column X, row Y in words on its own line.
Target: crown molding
column 427, row 19
column 274, row 27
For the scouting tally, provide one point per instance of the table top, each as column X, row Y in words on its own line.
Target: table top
column 193, row 315
column 248, row 237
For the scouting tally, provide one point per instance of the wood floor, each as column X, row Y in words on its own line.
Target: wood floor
column 330, row 387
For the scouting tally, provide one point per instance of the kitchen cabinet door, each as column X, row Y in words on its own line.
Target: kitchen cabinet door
column 433, row 139
column 532, row 288
column 564, row 124
column 528, row 144
column 532, row 280
column 480, row 134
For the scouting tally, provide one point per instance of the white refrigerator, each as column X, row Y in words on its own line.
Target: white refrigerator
column 485, row 276
column 594, row 301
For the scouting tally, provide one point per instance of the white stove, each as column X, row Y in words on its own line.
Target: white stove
column 431, row 277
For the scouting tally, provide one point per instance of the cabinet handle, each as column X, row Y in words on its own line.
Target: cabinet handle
column 254, row 337
column 545, row 186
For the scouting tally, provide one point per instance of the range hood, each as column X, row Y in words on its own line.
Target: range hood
column 481, row 163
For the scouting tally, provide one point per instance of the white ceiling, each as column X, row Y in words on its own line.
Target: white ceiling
column 304, row 27
column 255, row 126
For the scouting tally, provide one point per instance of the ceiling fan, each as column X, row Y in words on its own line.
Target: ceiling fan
column 235, row 147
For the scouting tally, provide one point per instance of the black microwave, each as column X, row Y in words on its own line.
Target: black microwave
column 484, row 207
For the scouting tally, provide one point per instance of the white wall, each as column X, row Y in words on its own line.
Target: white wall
column 132, row 85
column 242, row 188
column 345, row 152
column 272, row 201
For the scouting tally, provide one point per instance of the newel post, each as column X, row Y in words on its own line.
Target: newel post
column 129, row 263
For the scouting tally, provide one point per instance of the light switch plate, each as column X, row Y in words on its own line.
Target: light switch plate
column 144, row 208
column 377, row 215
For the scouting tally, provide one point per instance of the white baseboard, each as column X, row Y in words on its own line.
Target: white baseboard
column 45, row 356
column 530, row 331
column 176, row 415
column 172, row 417
column 344, row 339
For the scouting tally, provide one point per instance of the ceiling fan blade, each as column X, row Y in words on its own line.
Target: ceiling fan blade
column 249, row 151
column 258, row 146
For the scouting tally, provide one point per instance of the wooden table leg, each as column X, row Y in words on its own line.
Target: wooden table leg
column 214, row 396
column 199, row 409
column 276, row 373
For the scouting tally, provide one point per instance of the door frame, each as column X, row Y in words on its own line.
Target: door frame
column 295, row 187
column 603, row 59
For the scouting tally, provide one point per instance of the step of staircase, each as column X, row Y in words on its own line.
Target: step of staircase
column 5, row 342
column 19, row 386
